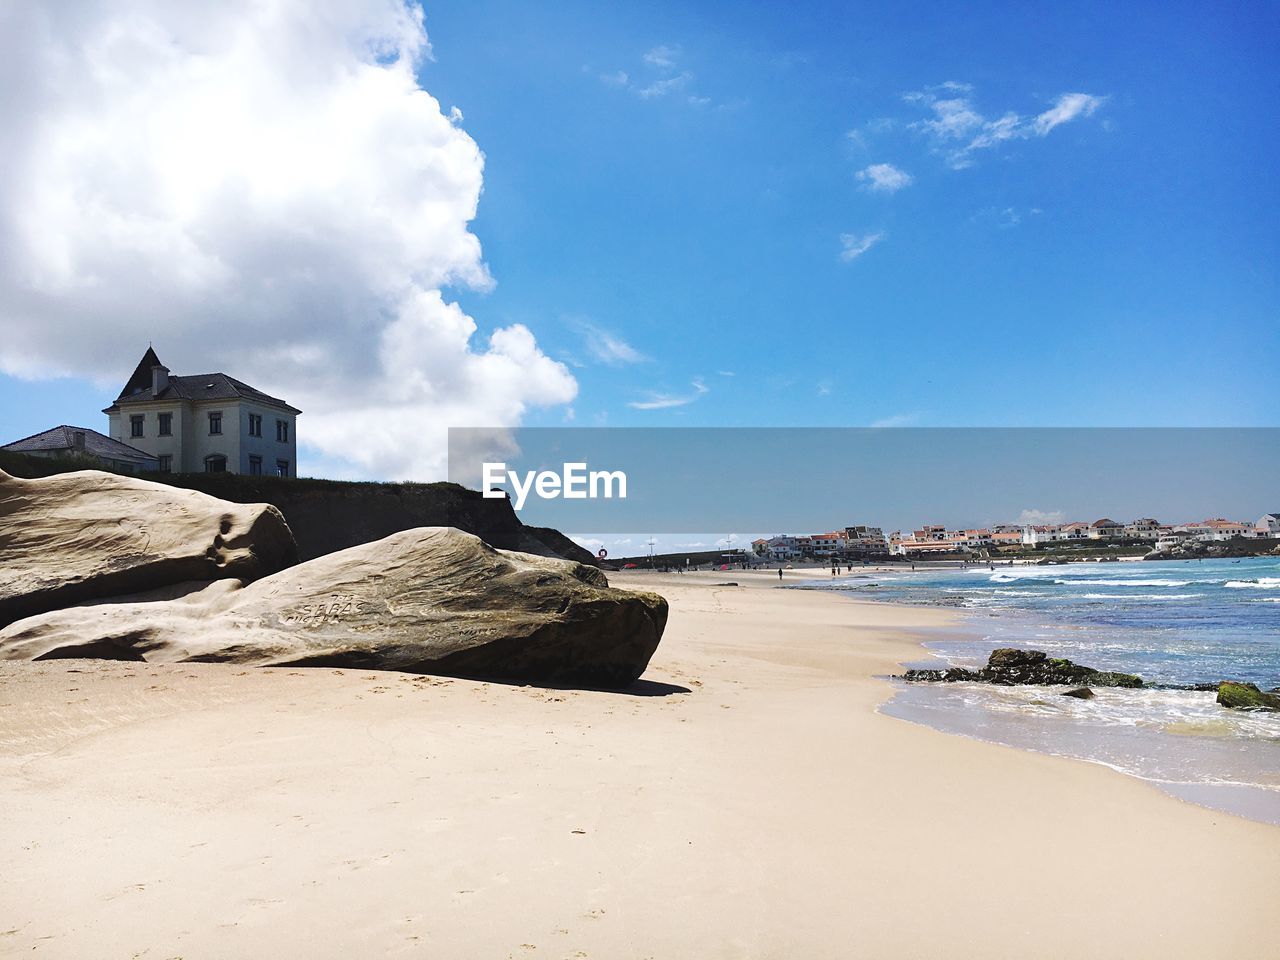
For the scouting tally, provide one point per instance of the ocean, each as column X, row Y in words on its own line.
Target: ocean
column 1173, row 623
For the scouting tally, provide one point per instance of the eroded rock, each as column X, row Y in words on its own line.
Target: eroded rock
column 429, row 600
column 87, row 535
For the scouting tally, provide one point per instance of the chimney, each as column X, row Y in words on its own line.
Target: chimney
column 159, row 379
column 77, row 441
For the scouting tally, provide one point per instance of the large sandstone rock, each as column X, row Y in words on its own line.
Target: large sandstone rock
column 430, row 600
column 81, row 536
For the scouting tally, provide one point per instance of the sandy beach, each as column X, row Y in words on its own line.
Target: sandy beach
column 745, row 800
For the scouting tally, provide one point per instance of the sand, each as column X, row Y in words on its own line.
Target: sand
column 747, row 802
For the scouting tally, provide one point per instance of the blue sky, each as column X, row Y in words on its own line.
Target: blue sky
column 1119, row 270
column 673, row 205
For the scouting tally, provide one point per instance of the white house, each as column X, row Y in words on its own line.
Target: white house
column 1105, row 529
column 209, row 422
column 777, row 548
column 1216, row 529
column 1145, row 528
column 1268, row 525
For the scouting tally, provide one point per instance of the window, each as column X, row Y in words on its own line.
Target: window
column 166, row 424
column 135, row 425
column 255, row 425
column 166, row 464
column 215, row 424
column 215, row 464
column 255, row 466
column 282, row 431
column 282, row 468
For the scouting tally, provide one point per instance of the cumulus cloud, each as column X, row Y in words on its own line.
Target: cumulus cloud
column 665, row 401
column 853, row 245
column 884, row 178
column 959, row 130
column 264, row 189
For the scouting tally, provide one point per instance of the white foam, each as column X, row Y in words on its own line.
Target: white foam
column 1137, row 596
column 1126, row 583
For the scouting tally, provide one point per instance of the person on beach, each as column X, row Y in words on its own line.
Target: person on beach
column 779, row 573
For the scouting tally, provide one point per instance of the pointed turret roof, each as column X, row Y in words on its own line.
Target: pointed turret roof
column 141, row 379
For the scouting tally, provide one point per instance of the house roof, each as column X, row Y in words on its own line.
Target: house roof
column 63, row 438
column 201, row 386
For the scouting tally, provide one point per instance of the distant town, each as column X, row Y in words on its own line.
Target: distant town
column 865, row 543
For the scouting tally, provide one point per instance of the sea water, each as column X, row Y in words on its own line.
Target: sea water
column 1175, row 623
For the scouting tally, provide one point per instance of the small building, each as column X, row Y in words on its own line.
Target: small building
column 1216, row 528
column 1035, row 534
column 865, row 541
column 777, row 548
column 1105, row 529
column 67, row 441
column 1268, row 525
column 1145, row 528
column 205, row 423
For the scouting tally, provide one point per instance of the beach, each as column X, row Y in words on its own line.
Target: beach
column 745, row 799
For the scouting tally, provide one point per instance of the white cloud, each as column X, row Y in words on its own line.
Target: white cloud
column 665, row 401
column 609, row 348
column 884, row 177
column 658, row 77
column 897, row 420
column 959, row 130
column 258, row 188
column 853, row 245
column 663, row 85
column 1040, row 518
column 662, row 57
column 1068, row 107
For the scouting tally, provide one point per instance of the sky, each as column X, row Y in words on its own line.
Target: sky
column 404, row 218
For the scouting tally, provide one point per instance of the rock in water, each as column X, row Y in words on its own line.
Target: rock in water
column 1080, row 693
column 87, row 535
column 1011, row 667
column 1246, row 696
column 429, row 600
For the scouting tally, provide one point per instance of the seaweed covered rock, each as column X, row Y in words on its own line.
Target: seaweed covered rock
column 428, row 600
column 1246, row 696
column 1011, row 667
column 87, row 535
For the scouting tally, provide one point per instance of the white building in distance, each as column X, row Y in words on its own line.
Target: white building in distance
column 205, row 423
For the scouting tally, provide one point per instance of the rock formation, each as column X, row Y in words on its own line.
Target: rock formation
column 1246, row 696
column 1010, row 667
column 432, row 600
column 86, row 535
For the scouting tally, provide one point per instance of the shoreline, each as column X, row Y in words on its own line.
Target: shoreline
column 748, row 800
column 977, row 626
